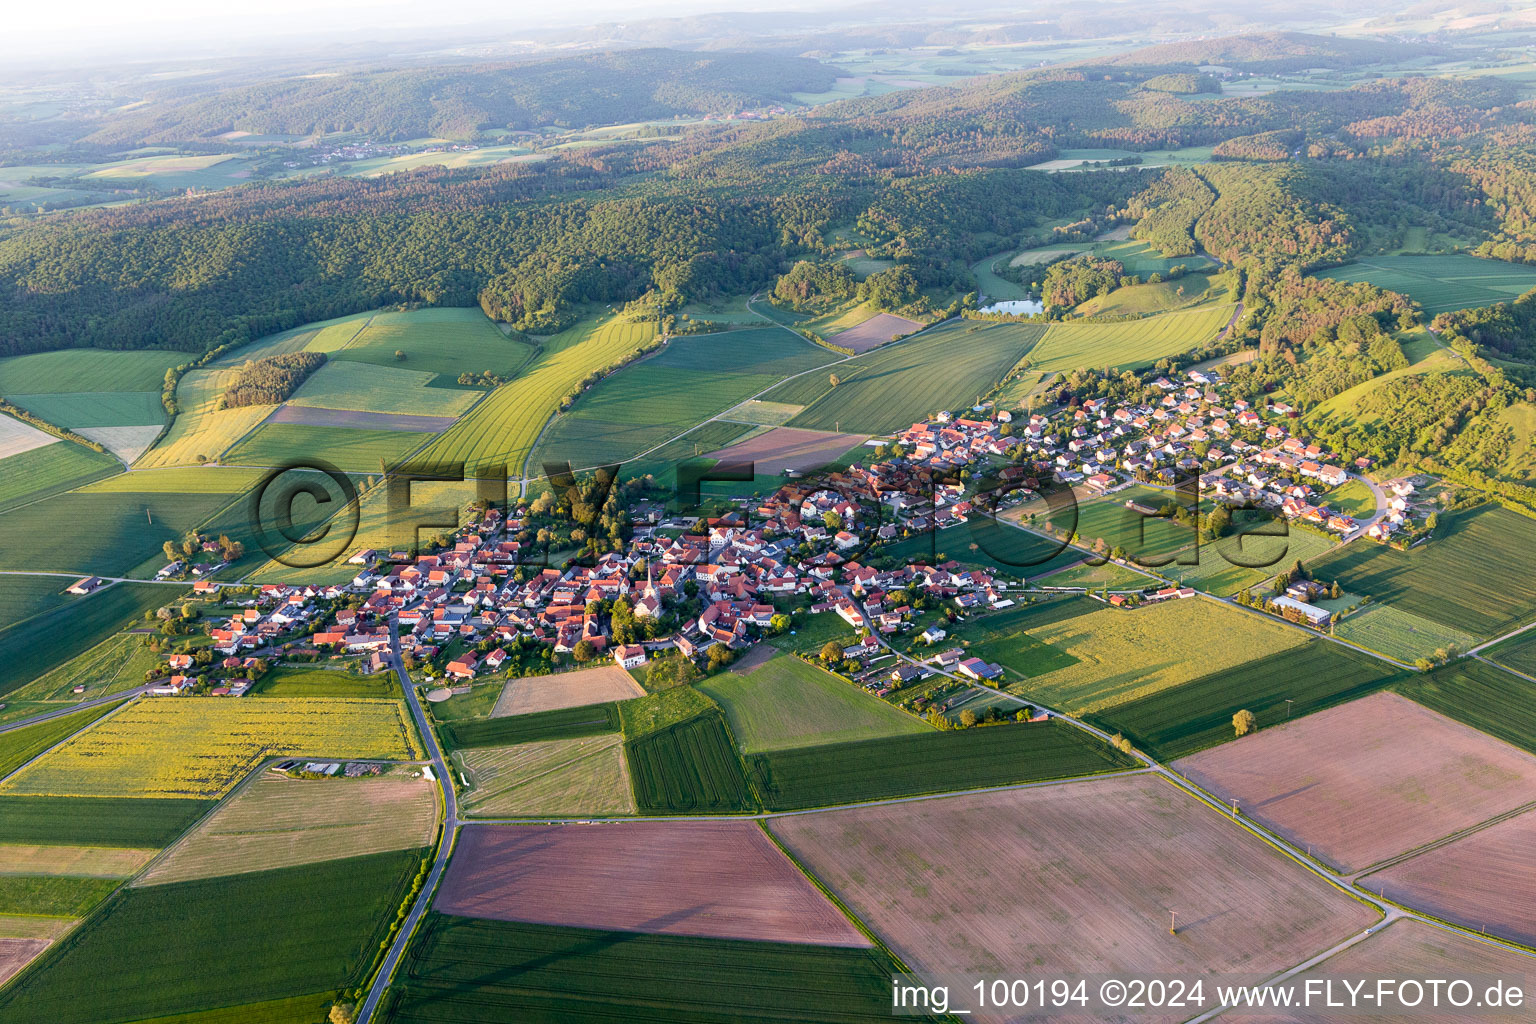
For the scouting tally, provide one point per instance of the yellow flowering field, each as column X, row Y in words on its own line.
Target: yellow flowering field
column 200, row 747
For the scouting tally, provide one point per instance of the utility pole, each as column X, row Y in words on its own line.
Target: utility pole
column 1173, row 922
column 1234, row 807
column 1288, row 702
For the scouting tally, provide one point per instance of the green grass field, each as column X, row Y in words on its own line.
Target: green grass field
column 77, row 370
column 1183, row 719
column 566, row 723
column 789, row 703
column 51, row 469
column 1352, row 498
column 689, row 767
column 53, row 895
column 1004, row 637
column 1144, row 299
column 1399, row 634
column 119, row 822
column 464, row 969
column 1518, row 653
column 932, row 762
column 1121, row 655
column 502, row 429
column 549, row 777
column 48, row 640
column 992, row 543
column 1440, row 282
column 78, row 409
column 260, row 936
column 22, row 597
column 369, row 387
column 109, row 534
column 447, row 341
column 660, row 397
column 304, row 681
column 19, row 746
column 948, row 367
column 1477, row 575
column 1129, row 344
column 1482, row 696
column 349, row 449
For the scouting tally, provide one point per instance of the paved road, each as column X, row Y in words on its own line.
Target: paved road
column 444, row 847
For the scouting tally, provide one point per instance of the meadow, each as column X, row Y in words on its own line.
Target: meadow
column 787, row 702
column 994, row 543
column 586, row 775
column 502, row 429
column 1440, row 282
column 946, row 367
column 279, row 822
column 83, row 409
column 690, row 767
column 567, row 723
column 659, row 397
column 202, row 746
column 259, row 936
column 85, row 370
column 462, row 969
column 444, row 341
column 600, row 685
column 1183, row 719
column 349, row 449
column 312, row 681
column 1480, row 695
column 51, row 469
column 1121, row 655
column 1126, row 344
column 1477, row 575
column 1399, row 634
column 370, row 387
column 118, row 822
column 932, row 762
column 48, row 640
column 52, row 895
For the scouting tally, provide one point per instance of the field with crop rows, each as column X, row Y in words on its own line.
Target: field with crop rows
column 586, row 775
column 1440, row 282
column 502, row 429
column 661, row 396
column 445, row 340
column 1128, row 344
column 1486, row 557
column 933, row 762
column 789, row 703
column 87, row 369
column 18, row 746
column 461, row 969
column 1121, row 655
column 349, row 449
column 125, row 822
column 947, row 367
column 1399, row 634
column 1293, row 682
column 994, row 543
column 49, row 639
column 1518, row 653
column 202, row 746
column 690, row 767
column 259, row 936
column 52, row 895
column 369, row 387
column 1482, row 696
column 201, row 428
column 49, row 470
column 566, row 723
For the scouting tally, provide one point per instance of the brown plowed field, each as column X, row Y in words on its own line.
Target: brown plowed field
column 410, row 423
column 1484, row 880
column 722, row 880
column 17, row 953
column 1077, row 878
column 1402, row 950
column 1367, row 780
column 787, row 449
column 566, row 690
column 874, row 332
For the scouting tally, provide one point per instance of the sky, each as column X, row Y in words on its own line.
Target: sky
column 159, row 27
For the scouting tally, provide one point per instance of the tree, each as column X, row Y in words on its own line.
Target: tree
column 831, row 651
column 399, row 355
column 1244, row 722
column 967, row 718
column 832, row 520
column 835, row 380
column 779, row 623
column 1433, row 520
column 171, row 553
column 583, row 651
column 343, row 1013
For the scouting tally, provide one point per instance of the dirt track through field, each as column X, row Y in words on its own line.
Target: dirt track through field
column 404, row 422
column 712, row 879
column 787, row 449
column 566, row 690
column 1368, row 780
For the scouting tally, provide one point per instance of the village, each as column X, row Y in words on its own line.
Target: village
column 708, row 588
